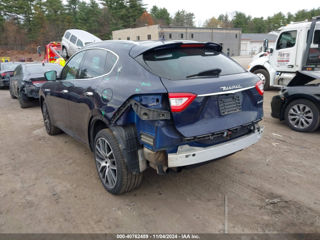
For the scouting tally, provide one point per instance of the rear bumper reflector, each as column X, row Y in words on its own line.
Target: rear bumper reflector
column 187, row 155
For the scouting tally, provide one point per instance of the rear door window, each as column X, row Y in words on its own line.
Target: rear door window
column 95, row 64
column 186, row 63
column 73, row 39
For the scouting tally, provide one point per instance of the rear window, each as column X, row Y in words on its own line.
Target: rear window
column 186, row 63
column 67, row 35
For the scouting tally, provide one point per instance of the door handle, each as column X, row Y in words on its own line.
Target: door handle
column 88, row 94
column 64, row 91
column 290, row 66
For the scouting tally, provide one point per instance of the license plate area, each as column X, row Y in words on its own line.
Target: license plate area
column 230, row 103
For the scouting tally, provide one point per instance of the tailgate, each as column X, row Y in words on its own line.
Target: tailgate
column 208, row 92
column 221, row 104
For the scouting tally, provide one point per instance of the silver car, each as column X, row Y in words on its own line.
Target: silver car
column 75, row 39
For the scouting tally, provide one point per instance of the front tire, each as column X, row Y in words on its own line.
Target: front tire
column 302, row 115
column 111, row 165
column 264, row 76
column 23, row 100
column 50, row 128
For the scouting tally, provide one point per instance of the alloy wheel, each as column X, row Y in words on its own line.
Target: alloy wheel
column 106, row 162
column 300, row 116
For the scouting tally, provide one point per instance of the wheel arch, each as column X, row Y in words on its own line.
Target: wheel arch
column 126, row 137
column 95, row 125
column 259, row 67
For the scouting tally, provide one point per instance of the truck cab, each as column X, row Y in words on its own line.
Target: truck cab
column 292, row 53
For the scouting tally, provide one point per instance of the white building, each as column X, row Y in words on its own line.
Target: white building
column 229, row 38
column 252, row 43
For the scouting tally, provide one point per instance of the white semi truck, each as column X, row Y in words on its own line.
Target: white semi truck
column 296, row 55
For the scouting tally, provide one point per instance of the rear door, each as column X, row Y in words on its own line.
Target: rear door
column 214, row 92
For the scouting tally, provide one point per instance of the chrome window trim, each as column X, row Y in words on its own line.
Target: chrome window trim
column 226, row 92
column 95, row 48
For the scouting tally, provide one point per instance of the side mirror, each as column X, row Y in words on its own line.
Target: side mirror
column 51, row 75
column 265, row 45
column 270, row 50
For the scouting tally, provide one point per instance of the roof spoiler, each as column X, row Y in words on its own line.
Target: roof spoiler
column 136, row 52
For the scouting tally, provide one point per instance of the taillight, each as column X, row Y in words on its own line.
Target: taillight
column 3, row 74
column 259, row 87
column 180, row 101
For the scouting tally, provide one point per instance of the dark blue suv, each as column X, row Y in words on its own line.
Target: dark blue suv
column 160, row 104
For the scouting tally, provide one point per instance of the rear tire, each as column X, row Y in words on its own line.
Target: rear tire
column 50, row 128
column 111, row 165
column 23, row 100
column 302, row 115
column 11, row 91
column 65, row 53
column 264, row 76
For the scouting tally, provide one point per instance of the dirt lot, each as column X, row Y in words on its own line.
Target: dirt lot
column 50, row 184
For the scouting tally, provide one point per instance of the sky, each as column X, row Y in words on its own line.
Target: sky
column 205, row 9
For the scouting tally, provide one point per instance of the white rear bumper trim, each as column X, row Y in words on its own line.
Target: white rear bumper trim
column 187, row 155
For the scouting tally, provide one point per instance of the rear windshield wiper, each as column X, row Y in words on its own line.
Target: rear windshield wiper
column 208, row 73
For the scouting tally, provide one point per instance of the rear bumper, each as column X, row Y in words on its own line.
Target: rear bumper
column 4, row 82
column 187, row 155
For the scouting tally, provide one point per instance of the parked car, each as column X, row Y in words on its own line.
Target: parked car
column 27, row 79
column 6, row 71
column 160, row 104
column 298, row 104
column 74, row 39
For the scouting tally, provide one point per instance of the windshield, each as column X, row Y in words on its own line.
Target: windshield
column 184, row 63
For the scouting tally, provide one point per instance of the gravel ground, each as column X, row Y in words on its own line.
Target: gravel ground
column 49, row 184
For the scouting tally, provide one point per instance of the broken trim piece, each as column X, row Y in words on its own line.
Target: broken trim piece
column 143, row 112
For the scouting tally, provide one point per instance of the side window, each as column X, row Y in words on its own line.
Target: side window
column 287, row 40
column 73, row 39
column 111, row 61
column 79, row 43
column 316, row 38
column 67, row 35
column 18, row 70
column 94, row 64
column 71, row 70
column 97, row 63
